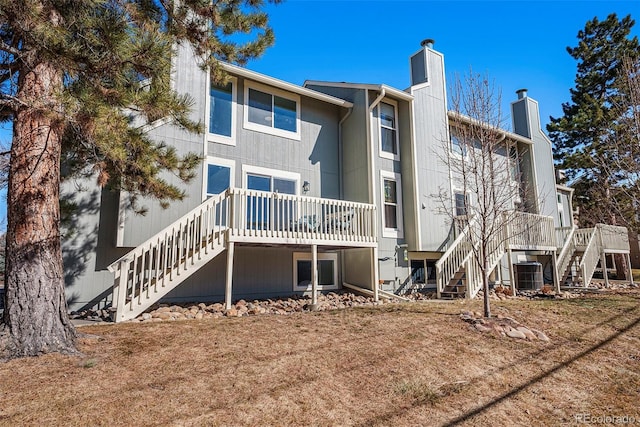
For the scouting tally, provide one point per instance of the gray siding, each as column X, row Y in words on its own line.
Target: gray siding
column 354, row 152
column 525, row 111
column 431, row 137
column 88, row 244
column 189, row 79
column 258, row 272
column 314, row 157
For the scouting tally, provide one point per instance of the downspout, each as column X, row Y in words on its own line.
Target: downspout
column 372, row 199
column 340, row 152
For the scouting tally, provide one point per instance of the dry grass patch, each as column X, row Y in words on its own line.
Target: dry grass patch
column 405, row 364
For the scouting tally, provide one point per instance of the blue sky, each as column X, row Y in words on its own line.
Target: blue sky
column 517, row 43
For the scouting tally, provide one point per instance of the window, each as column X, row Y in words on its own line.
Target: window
column 263, row 212
column 222, row 101
column 462, row 202
column 456, row 145
column 514, row 164
column 392, row 204
column 218, row 176
column 272, row 111
column 388, row 131
column 327, row 271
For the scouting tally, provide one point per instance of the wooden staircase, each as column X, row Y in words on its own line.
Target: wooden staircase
column 458, row 273
column 583, row 249
column 157, row 266
column 457, row 286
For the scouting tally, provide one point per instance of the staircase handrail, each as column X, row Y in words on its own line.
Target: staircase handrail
column 455, row 250
column 590, row 258
column 568, row 247
column 210, row 202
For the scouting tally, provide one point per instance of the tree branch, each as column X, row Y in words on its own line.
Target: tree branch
column 10, row 49
column 11, row 102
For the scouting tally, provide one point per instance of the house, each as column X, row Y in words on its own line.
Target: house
column 313, row 188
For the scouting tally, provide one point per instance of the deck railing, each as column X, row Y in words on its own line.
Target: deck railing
column 582, row 236
column 528, row 230
column 613, row 238
column 259, row 215
column 563, row 235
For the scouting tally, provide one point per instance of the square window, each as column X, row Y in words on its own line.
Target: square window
column 327, row 271
column 456, row 145
column 284, row 112
column 270, row 113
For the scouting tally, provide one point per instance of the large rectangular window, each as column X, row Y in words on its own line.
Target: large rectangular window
column 392, row 204
column 388, row 130
column 272, row 111
column 327, row 271
column 222, row 101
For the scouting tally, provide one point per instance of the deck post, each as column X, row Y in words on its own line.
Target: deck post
column 630, row 270
column 512, row 281
column 375, row 272
column 556, row 278
column 120, row 299
column 603, row 263
column 229, row 275
column 314, row 275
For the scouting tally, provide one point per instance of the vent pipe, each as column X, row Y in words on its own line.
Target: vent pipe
column 427, row 43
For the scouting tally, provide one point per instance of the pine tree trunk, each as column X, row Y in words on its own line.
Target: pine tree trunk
column 35, row 315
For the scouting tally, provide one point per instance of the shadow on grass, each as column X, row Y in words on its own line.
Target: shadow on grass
column 386, row 418
column 470, row 414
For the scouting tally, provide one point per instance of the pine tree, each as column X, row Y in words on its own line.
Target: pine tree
column 72, row 76
column 583, row 137
column 580, row 135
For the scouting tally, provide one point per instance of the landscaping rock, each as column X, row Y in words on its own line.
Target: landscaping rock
column 480, row 327
column 527, row 333
column 514, row 333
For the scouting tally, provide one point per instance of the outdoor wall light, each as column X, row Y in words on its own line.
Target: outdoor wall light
column 306, row 186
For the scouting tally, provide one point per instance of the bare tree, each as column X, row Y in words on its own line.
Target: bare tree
column 485, row 176
column 618, row 202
